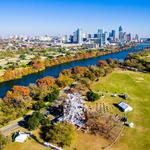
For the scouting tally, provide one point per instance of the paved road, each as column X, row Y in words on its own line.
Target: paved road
column 13, row 125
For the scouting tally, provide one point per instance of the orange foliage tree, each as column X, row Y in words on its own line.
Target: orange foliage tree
column 79, row 70
column 38, row 64
column 102, row 63
column 22, row 90
column 46, row 81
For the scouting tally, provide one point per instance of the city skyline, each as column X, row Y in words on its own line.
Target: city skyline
column 40, row 17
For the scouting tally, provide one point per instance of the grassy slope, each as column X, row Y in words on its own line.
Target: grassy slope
column 137, row 85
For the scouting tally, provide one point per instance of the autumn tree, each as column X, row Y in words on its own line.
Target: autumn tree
column 46, row 81
column 18, row 100
column 38, row 64
column 102, row 63
column 22, row 90
column 79, row 70
column 63, row 81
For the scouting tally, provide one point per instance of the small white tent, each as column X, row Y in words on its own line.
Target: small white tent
column 21, row 137
column 125, row 107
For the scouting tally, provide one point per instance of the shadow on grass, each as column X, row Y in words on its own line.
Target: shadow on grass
column 116, row 105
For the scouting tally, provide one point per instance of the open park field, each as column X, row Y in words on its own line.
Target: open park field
column 28, row 145
column 137, row 86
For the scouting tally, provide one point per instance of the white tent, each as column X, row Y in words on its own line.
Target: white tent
column 21, row 137
column 125, row 107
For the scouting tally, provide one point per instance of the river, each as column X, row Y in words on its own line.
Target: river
column 55, row 70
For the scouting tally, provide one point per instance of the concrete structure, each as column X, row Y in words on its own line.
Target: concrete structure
column 52, row 146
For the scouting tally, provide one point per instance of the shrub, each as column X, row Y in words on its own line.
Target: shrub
column 51, row 97
column 38, row 105
column 91, row 96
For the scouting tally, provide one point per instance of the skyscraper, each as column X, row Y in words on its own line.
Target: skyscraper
column 128, row 37
column 120, row 29
column 112, row 36
column 121, row 34
column 77, row 36
column 102, row 37
column 136, row 38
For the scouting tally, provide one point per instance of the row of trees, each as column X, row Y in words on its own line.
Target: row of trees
column 37, row 64
column 93, row 72
column 139, row 60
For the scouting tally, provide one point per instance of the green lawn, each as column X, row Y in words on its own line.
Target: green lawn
column 137, row 86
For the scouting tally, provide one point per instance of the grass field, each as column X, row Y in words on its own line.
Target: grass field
column 137, row 86
column 84, row 141
column 28, row 145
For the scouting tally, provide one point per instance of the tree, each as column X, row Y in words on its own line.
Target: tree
column 35, row 120
column 61, row 133
column 38, row 64
column 46, row 81
column 104, row 125
column 91, row 96
column 3, row 141
column 38, row 105
column 64, row 81
column 22, row 90
column 102, row 63
column 79, row 70
column 52, row 96
column 90, row 75
column 22, row 56
column 33, row 123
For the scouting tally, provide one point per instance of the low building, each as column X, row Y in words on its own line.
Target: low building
column 125, row 107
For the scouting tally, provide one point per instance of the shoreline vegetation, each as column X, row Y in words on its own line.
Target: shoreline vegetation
column 37, row 65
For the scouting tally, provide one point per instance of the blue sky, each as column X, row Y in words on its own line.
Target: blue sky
column 39, row 17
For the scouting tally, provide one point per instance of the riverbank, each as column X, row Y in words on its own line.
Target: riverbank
column 32, row 77
column 40, row 65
